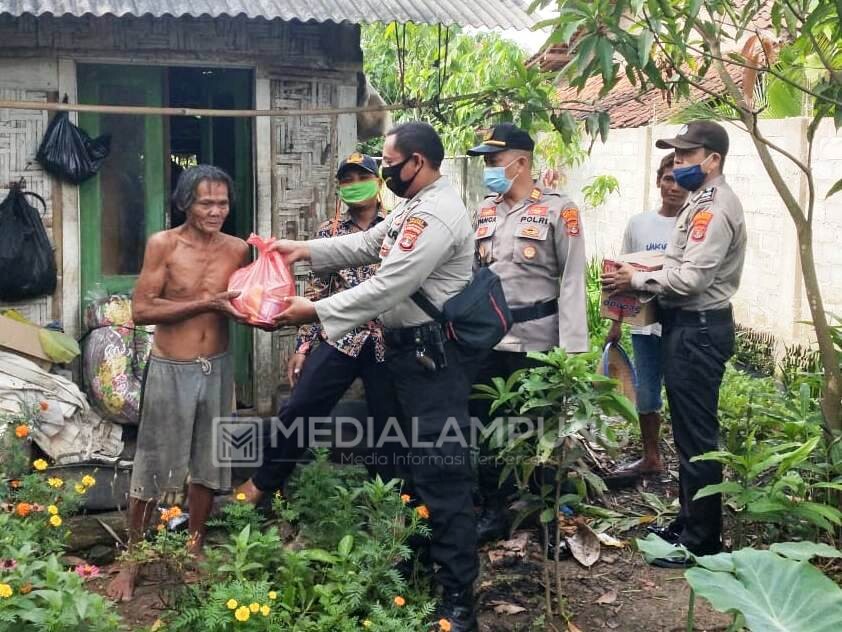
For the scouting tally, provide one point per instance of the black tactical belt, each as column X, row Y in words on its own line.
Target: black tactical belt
column 407, row 336
column 534, row 312
column 702, row 318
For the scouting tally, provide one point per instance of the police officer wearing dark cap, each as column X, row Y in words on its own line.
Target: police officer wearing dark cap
column 321, row 370
column 701, row 273
column 531, row 237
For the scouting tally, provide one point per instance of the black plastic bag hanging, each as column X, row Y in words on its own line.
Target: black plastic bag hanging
column 69, row 153
column 27, row 261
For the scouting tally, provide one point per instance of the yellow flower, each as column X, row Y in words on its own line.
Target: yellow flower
column 265, row 610
column 40, row 465
column 88, row 480
column 366, row 623
column 55, row 482
column 80, row 489
column 273, row 595
column 422, row 512
column 242, row 613
column 254, row 606
column 231, row 604
column 241, row 496
column 52, row 510
column 5, row 591
column 400, row 602
column 55, row 521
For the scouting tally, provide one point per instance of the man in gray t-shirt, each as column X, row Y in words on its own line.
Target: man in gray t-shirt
column 650, row 231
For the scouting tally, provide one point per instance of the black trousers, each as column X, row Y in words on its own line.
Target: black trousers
column 325, row 377
column 493, row 492
column 694, row 357
column 437, row 465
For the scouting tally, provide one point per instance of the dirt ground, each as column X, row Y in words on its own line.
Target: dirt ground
column 619, row 592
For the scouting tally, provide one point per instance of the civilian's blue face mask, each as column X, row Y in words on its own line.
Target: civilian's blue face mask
column 690, row 178
column 495, row 178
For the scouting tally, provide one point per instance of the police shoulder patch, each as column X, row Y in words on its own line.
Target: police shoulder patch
column 705, row 196
column 570, row 215
column 412, row 230
column 699, row 225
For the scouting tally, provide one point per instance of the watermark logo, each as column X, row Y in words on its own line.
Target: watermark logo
column 238, row 441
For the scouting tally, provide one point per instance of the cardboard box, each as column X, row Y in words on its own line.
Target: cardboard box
column 22, row 339
column 634, row 308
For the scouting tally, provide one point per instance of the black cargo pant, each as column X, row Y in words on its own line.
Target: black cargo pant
column 696, row 346
column 326, row 375
column 494, row 493
column 437, row 465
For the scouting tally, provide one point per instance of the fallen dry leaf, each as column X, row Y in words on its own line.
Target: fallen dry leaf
column 572, row 627
column 503, row 607
column 607, row 598
column 585, row 546
column 647, row 584
column 517, row 544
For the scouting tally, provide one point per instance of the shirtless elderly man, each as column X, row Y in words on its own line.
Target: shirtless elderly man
column 182, row 290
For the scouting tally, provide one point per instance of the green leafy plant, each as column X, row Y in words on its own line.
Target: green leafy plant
column 775, row 589
column 571, row 402
column 754, row 351
column 596, row 192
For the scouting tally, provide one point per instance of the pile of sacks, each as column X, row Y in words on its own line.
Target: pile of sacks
column 115, row 355
column 67, row 429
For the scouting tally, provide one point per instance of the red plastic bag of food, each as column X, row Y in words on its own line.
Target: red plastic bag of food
column 263, row 285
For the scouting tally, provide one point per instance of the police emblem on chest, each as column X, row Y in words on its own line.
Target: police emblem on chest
column 536, row 215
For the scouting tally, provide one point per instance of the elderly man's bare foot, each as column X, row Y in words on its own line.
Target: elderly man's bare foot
column 122, row 586
column 251, row 493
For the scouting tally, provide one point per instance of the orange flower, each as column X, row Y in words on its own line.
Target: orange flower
column 14, row 484
column 25, row 589
column 43, row 405
column 400, row 602
column 405, row 498
column 23, row 509
column 444, row 625
column 22, row 431
column 422, row 512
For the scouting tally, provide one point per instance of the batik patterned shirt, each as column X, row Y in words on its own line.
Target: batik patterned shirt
column 322, row 286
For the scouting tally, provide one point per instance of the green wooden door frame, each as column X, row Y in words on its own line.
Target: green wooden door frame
column 149, row 82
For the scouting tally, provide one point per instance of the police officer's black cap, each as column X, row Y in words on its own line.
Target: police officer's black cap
column 502, row 137
column 360, row 161
column 697, row 134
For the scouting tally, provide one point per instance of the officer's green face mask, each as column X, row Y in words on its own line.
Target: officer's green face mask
column 359, row 191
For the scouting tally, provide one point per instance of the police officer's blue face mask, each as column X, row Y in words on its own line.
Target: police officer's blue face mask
column 495, row 178
column 692, row 177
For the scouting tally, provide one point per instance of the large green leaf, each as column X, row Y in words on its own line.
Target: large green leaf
column 803, row 551
column 774, row 594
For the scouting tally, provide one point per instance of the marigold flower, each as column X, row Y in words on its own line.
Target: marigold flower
column 43, row 405
column 25, row 589
column 405, row 498
column 265, row 610
column 14, row 483
column 162, row 526
column 23, row 509
column 422, row 512
column 39, row 464
column 80, row 489
column 55, row 482
column 88, row 480
column 22, row 431
column 273, row 595
column 400, row 602
column 254, row 606
column 169, row 514
column 5, row 591
column 87, row 571
column 444, row 625
column 52, row 510
column 231, row 604
column 55, row 521
column 242, row 613
column 240, row 497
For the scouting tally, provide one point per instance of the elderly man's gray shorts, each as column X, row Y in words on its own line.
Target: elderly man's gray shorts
column 176, row 439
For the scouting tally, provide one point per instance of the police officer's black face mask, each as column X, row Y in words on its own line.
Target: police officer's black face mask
column 391, row 176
